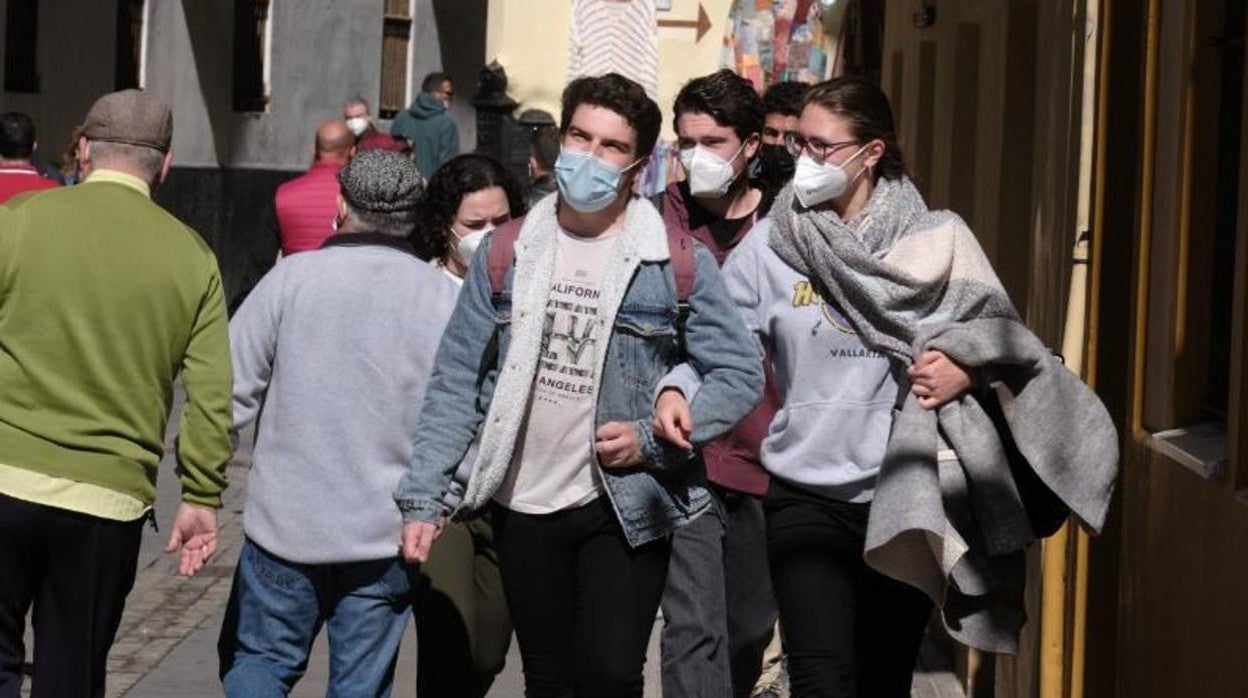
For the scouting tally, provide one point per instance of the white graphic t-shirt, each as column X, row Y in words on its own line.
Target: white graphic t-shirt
column 552, row 467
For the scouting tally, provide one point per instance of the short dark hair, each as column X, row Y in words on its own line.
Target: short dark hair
column 433, row 81
column 546, row 147
column 860, row 102
column 785, row 98
column 17, row 135
column 445, row 191
column 622, row 96
column 727, row 98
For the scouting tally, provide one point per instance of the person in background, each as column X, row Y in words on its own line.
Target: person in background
column 583, row 324
column 782, row 107
column 105, row 298
column 542, row 164
column 70, row 166
column 17, row 144
column 718, row 608
column 782, row 104
column 307, row 205
column 463, row 629
column 337, row 346
column 427, row 126
column 360, row 122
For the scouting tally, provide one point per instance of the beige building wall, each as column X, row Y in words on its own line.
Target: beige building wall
column 530, row 39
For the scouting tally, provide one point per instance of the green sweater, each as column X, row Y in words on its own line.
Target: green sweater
column 104, row 298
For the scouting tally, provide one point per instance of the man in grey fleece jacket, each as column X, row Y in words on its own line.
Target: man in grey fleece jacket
column 332, row 351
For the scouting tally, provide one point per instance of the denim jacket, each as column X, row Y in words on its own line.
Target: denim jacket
column 487, row 360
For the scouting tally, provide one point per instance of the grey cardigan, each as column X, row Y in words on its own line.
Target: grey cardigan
column 333, row 351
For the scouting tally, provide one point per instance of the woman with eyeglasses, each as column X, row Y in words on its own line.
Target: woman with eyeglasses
column 848, row 630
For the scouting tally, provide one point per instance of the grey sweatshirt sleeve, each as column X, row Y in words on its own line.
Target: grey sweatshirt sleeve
column 682, row 378
column 720, row 350
column 253, row 344
column 740, row 274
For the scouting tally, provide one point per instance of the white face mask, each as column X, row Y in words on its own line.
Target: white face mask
column 817, row 182
column 709, row 174
column 466, row 245
column 357, row 125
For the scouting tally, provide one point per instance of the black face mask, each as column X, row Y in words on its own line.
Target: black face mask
column 777, row 163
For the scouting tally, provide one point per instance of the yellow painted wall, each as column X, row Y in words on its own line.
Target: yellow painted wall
column 530, row 39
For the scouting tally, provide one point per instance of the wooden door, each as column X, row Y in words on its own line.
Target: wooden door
column 1181, row 555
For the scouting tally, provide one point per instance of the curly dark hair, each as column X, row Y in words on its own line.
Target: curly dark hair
column 445, row 191
column 622, row 96
column 727, row 98
column 860, row 102
column 785, row 98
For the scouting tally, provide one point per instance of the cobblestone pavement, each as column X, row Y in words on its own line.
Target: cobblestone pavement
column 163, row 608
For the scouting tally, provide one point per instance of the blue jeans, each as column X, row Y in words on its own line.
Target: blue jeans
column 277, row 607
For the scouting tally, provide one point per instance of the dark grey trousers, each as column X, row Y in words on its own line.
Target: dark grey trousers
column 718, row 607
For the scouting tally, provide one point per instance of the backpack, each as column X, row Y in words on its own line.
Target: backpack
column 502, row 255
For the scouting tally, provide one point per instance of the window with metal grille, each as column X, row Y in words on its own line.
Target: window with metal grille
column 251, row 51
column 395, row 38
column 21, row 33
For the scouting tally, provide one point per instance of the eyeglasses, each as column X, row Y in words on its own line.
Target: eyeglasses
column 797, row 145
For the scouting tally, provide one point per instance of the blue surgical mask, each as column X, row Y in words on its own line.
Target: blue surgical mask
column 588, row 183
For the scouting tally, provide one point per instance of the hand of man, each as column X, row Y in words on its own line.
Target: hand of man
column 617, row 445
column 672, row 422
column 936, row 379
column 195, row 534
column 418, row 537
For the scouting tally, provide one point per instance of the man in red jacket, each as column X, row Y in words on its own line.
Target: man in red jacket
column 17, row 144
column 307, row 205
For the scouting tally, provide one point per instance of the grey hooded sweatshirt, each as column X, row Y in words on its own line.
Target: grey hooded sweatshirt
column 838, row 395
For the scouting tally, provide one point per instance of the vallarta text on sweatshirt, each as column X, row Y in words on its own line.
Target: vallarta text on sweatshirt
column 838, row 394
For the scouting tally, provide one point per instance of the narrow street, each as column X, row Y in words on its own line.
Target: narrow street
column 167, row 643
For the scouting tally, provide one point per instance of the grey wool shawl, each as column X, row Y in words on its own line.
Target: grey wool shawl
column 911, row 280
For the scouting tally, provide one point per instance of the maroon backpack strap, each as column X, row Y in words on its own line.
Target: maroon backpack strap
column 502, row 253
column 680, row 248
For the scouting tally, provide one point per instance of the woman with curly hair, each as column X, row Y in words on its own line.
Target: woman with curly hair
column 464, row 200
column 462, row 625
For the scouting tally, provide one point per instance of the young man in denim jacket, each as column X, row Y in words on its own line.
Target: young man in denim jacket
column 553, row 379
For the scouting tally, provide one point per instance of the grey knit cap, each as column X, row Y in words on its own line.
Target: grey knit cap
column 381, row 181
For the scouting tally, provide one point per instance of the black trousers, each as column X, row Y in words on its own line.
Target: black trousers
column 582, row 601
column 462, row 627
column 848, row 630
column 76, row 570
